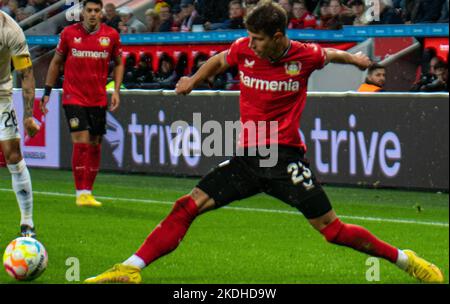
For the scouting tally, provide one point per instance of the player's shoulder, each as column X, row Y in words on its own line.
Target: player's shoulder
column 306, row 49
column 107, row 30
column 304, row 46
column 8, row 24
column 241, row 42
column 71, row 29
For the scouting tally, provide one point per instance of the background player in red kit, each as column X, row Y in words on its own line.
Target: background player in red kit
column 86, row 49
column 274, row 72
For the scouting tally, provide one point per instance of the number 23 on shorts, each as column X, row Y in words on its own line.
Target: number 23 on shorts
column 300, row 175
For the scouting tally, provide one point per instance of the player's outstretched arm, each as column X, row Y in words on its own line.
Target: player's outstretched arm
column 359, row 59
column 118, row 72
column 28, row 88
column 215, row 65
column 52, row 75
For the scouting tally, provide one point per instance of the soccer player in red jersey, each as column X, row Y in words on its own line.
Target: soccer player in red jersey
column 274, row 72
column 86, row 49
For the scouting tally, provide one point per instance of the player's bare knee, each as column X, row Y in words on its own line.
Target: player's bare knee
column 202, row 200
column 13, row 157
column 82, row 137
column 332, row 230
column 323, row 221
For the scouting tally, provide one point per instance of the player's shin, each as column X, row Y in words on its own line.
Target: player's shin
column 21, row 182
column 93, row 165
column 167, row 235
column 79, row 166
column 361, row 239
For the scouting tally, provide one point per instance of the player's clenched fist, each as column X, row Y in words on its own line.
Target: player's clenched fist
column 184, row 86
column 31, row 126
column 362, row 61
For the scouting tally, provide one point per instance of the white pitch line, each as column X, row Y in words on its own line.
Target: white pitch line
column 148, row 201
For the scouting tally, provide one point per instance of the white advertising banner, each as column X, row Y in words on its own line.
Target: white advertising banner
column 43, row 149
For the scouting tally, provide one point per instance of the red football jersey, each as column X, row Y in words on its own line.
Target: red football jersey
column 87, row 61
column 274, row 90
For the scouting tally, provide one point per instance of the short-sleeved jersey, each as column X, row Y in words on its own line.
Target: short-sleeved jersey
column 87, row 56
column 274, row 90
column 12, row 43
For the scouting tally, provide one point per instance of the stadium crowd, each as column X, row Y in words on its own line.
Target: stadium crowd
column 22, row 9
column 206, row 15
column 212, row 15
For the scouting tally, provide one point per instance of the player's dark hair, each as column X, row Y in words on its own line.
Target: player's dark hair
column 267, row 17
column 375, row 66
column 99, row 2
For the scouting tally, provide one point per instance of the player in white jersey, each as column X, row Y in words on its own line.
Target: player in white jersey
column 13, row 47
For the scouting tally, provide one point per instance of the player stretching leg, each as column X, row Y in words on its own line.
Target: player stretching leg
column 13, row 46
column 268, row 62
column 85, row 49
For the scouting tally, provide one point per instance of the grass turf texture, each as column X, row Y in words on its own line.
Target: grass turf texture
column 230, row 245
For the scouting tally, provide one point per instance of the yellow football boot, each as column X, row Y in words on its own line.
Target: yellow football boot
column 118, row 274
column 422, row 269
column 87, row 200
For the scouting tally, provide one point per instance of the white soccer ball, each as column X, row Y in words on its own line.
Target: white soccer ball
column 25, row 259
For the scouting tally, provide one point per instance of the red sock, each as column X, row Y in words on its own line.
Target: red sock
column 169, row 233
column 79, row 164
column 93, row 165
column 359, row 239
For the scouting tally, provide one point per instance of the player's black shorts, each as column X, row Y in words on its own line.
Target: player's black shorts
column 92, row 119
column 290, row 181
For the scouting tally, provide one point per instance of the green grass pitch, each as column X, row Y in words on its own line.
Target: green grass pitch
column 259, row 240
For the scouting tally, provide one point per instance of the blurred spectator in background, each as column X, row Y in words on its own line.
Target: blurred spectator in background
column 152, row 20
column 23, row 13
column 376, row 79
column 39, row 5
column 302, row 19
column 189, row 15
column 144, row 72
column 388, row 14
column 333, row 20
column 435, row 80
column 422, row 11
column 166, row 75
column 444, row 13
column 111, row 17
column 323, row 13
column 129, row 24
column 249, row 4
column 129, row 76
column 213, row 13
column 359, row 12
column 236, row 16
column 287, row 5
column 165, row 16
column 11, row 8
column 200, row 60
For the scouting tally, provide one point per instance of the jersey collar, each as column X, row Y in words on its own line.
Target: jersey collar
column 286, row 51
column 94, row 32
